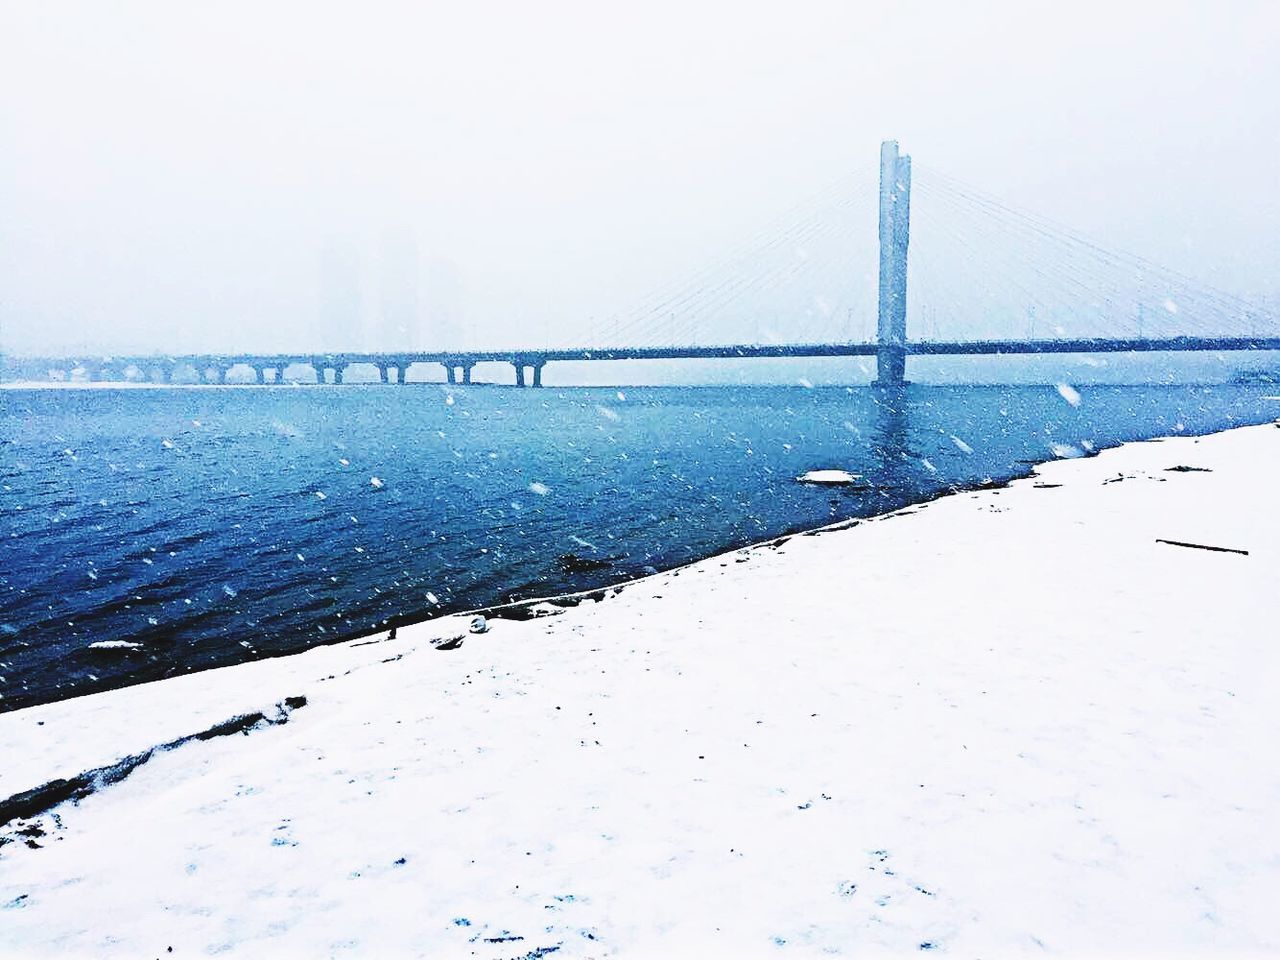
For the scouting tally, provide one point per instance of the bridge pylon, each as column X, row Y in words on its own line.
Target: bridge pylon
column 895, row 230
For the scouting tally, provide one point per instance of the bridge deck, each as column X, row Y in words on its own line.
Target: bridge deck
column 723, row 351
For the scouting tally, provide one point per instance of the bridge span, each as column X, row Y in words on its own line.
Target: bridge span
column 458, row 365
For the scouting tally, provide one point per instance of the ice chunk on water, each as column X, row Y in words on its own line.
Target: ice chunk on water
column 320, row 495
column 1065, row 450
column 376, row 483
column 834, row 477
column 1069, row 394
column 541, row 489
column 116, row 644
column 228, row 590
column 964, row 447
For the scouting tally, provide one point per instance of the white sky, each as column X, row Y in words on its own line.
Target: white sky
column 171, row 172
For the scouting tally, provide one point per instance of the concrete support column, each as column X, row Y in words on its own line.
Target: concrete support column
column 537, row 374
column 466, row 372
column 222, row 374
column 382, row 372
column 895, row 219
column 450, row 373
column 519, row 373
column 401, row 374
column 337, row 374
column 260, row 374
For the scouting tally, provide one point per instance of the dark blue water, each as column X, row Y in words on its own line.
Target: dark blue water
column 216, row 525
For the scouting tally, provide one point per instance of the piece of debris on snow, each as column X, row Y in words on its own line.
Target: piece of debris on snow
column 479, row 625
column 1203, row 546
column 545, row 609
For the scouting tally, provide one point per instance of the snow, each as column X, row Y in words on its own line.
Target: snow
column 829, row 477
column 1004, row 723
column 1069, row 394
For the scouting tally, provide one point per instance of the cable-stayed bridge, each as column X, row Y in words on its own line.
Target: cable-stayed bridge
column 950, row 271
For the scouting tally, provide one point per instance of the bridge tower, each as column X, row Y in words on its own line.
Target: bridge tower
column 895, row 221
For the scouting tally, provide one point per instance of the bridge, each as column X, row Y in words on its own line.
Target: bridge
column 1054, row 277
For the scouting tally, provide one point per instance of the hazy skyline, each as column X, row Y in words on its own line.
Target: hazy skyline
column 171, row 175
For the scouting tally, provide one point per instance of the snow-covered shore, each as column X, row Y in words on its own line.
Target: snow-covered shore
column 1006, row 722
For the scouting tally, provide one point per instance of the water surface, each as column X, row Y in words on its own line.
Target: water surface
column 212, row 525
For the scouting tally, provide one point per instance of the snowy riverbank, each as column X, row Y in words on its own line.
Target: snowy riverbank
column 1005, row 722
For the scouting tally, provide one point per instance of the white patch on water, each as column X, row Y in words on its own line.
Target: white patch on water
column 541, row 489
column 117, row 644
column 964, row 447
column 1065, row 450
column 833, row 477
column 376, row 483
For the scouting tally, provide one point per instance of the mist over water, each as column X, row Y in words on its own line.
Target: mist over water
column 216, row 525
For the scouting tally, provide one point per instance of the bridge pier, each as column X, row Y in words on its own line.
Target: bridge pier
column 535, row 370
column 460, row 373
column 260, row 374
column 895, row 219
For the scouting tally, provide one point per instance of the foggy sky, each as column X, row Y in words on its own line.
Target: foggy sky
column 176, row 177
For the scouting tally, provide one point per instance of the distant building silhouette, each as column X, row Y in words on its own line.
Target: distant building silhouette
column 338, row 326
